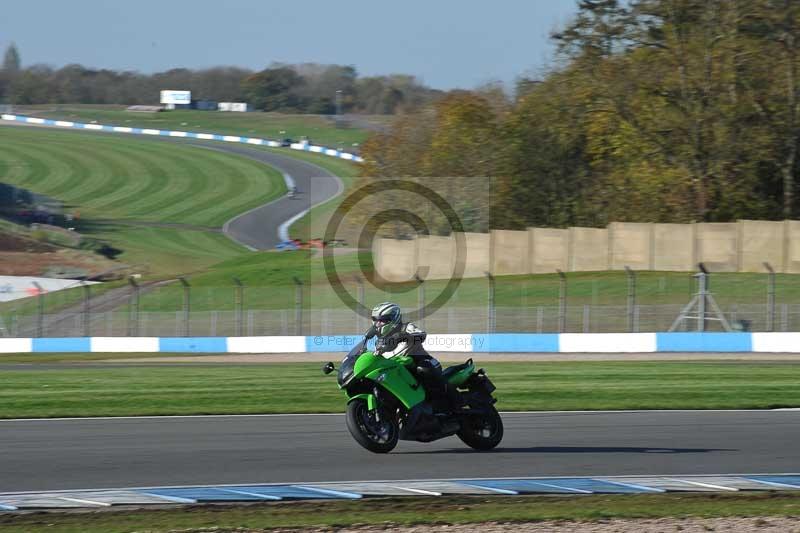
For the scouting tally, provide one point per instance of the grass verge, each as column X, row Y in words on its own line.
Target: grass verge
column 183, row 389
column 321, row 129
column 408, row 511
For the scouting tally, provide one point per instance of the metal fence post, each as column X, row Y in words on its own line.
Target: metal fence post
column 298, row 307
column 631, row 298
column 770, row 297
column 562, row 302
column 360, row 295
column 87, row 298
column 702, row 279
column 186, row 304
column 238, row 305
column 490, row 317
column 133, row 311
column 421, row 300
column 39, row 310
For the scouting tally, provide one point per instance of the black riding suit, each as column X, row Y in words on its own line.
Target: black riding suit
column 407, row 340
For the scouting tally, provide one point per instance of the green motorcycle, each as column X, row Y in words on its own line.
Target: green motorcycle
column 387, row 403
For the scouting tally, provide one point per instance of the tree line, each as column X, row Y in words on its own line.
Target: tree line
column 657, row 111
column 304, row 88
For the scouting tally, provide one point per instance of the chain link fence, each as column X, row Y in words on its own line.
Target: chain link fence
column 585, row 303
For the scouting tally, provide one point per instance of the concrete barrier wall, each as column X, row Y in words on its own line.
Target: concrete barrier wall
column 718, row 246
column 476, row 342
column 673, row 247
column 548, row 250
column 792, row 247
column 630, row 245
column 588, row 249
column 509, row 252
column 761, row 241
column 395, row 260
column 477, row 255
column 741, row 246
column 435, row 257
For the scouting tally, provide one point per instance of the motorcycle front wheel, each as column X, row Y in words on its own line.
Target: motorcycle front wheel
column 482, row 432
column 377, row 436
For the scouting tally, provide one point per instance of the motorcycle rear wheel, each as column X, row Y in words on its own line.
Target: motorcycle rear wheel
column 377, row 437
column 483, row 432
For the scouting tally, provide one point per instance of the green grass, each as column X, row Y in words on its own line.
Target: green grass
column 389, row 512
column 301, row 388
column 319, row 128
column 130, row 179
column 153, row 200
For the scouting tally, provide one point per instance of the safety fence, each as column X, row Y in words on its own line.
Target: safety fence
column 306, row 147
column 573, row 303
column 453, row 320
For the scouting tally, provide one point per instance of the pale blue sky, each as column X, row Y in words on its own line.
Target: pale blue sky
column 447, row 43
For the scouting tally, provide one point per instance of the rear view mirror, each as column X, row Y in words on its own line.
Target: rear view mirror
column 328, row 368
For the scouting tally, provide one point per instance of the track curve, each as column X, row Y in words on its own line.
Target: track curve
column 259, row 228
column 104, row 453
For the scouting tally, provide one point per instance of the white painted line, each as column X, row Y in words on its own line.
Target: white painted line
column 351, row 495
column 178, row 134
column 283, row 229
column 92, row 127
column 631, row 485
column 493, row 489
column 461, row 481
column 167, row 417
column 245, row 493
column 571, row 489
column 64, row 123
column 706, row 485
column 418, row 491
column 151, row 132
column 206, row 136
column 232, row 138
column 504, row 413
column 32, row 120
column 174, row 499
column 123, row 129
column 88, row 502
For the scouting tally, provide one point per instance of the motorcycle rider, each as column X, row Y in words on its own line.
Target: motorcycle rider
column 397, row 338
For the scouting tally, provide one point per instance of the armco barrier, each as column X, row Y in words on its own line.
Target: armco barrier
column 474, row 343
column 181, row 134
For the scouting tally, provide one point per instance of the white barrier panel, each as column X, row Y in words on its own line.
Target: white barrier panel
column 275, row 344
column 776, row 342
column 449, row 343
column 607, row 342
column 124, row 344
column 16, row 345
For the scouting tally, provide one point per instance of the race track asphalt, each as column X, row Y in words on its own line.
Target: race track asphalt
column 258, row 228
column 104, row 453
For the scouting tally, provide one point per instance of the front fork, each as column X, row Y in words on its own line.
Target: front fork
column 374, row 407
column 371, row 399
